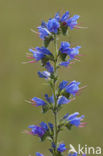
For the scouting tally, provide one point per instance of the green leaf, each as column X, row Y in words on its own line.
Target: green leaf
column 59, row 154
column 62, row 56
column 64, row 29
column 64, row 93
column 45, row 108
column 46, row 59
column 69, row 126
column 47, row 41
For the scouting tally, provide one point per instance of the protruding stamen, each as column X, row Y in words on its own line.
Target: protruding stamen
column 35, row 32
column 27, row 132
column 83, row 87
column 34, row 103
column 77, row 27
column 72, row 99
column 82, row 124
column 29, row 62
column 81, row 55
column 77, row 59
column 28, row 101
column 30, row 57
column 80, row 89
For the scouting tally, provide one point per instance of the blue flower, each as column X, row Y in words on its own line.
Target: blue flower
column 74, row 154
column 65, row 116
column 63, row 84
column 74, row 115
column 61, row 148
column 53, row 145
column 62, row 100
column 53, row 25
column 44, row 74
column 71, row 52
column 65, row 63
column 39, row 130
column 74, row 120
column 49, row 99
column 43, row 32
column 40, row 53
column 36, row 130
column 49, row 67
column 43, row 50
column 37, row 55
column 72, row 22
column 44, row 126
column 38, row 101
column 65, row 17
column 72, row 88
column 65, row 47
column 44, row 24
column 50, row 126
column 39, row 154
column 57, row 16
column 74, row 52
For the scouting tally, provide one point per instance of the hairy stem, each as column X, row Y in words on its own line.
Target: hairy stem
column 55, row 99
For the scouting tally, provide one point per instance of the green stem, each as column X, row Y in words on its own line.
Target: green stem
column 55, row 99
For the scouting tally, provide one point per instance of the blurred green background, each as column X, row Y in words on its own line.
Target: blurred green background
column 20, row 82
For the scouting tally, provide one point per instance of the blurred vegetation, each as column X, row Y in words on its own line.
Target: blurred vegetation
column 20, row 82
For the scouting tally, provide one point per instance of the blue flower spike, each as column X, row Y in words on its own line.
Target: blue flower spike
column 51, row 61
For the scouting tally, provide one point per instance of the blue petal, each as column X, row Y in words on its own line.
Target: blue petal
column 57, row 16
column 65, row 16
column 72, row 116
column 53, row 25
column 62, row 100
column 43, row 32
column 72, row 22
column 72, row 88
column 49, row 67
column 44, row 74
column 66, row 116
column 65, row 64
column 75, row 122
column 38, row 131
column 50, row 125
column 37, row 55
column 64, row 48
column 44, row 126
column 63, row 84
column 74, row 52
column 39, row 154
column 74, row 154
column 31, row 126
column 53, row 145
column 38, row 101
column 43, row 24
column 49, row 99
column 61, row 148
column 43, row 50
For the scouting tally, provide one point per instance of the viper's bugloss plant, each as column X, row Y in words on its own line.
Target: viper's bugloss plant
column 62, row 93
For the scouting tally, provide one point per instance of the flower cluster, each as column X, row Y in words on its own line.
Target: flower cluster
column 56, row 25
column 63, row 93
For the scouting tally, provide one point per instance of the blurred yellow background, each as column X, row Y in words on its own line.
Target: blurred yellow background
column 20, row 82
